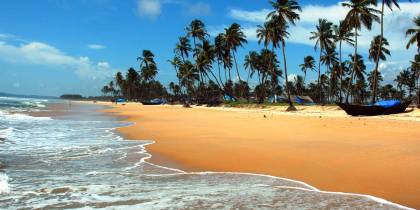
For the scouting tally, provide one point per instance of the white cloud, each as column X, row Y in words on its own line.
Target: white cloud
column 199, row 9
column 41, row 54
column 96, row 46
column 149, row 8
column 396, row 22
column 390, row 70
column 5, row 36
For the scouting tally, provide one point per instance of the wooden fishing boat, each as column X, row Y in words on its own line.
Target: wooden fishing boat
column 373, row 110
column 151, row 103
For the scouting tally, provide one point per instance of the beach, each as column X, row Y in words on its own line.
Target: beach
column 320, row 146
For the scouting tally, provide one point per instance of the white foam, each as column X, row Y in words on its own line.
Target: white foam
column 5, row 133
column 22, row 117
column 4, row 183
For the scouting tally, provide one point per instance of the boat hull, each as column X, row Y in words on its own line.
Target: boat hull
column 151, row 103
column 364, row 110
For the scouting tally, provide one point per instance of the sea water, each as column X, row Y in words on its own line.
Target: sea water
column 78, row 161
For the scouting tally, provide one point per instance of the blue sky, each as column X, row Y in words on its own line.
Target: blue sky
column 50, row 47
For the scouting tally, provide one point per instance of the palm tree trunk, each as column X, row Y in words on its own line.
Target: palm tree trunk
column 341, row 75
column 330, row 85
column 354, row 66
column 195, row 49
column 291, row 107
column 319, row 76
column 236, row 65
column 375, row 73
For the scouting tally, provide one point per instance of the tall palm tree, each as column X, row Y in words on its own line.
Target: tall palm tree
column 197, row 30
column 132, row 79
column 148, row 66
column 119, row 81
column 251, row 63
column 189, row 75
column 359, row 68
column 389, row 4
column 235, row 38
column 183, row 47
column 377, row 51
column 329, row 59
column 308, row 64
column 324, row 40
column 176, row 62
column 342, row 34
column 360, row 14
column 285, row 12
column 415, row 34
column 219, row 52
column 415, row 68
column 265, row 34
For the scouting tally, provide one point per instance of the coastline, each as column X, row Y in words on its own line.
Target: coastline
column 242, row 140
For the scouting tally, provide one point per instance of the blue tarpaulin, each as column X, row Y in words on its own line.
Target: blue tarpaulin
column 229, row 98
column 121, row 100
column 158, row 101
column 388, row 103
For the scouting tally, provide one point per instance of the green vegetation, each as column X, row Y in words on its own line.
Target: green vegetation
column 204, row 64
column 71, row 97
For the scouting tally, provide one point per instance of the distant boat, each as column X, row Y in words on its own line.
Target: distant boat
column 379, row 108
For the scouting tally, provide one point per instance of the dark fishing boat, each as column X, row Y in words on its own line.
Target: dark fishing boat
column 373, row 110
column 154, row 102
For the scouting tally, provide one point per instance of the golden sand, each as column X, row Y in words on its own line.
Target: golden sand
column 321, row 146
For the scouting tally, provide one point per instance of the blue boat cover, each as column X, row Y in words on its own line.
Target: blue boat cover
column 388, row 103
column 227, row 97
column 158, row 101
column 121, row 100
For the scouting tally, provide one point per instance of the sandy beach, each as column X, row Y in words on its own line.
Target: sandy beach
column 321, row 146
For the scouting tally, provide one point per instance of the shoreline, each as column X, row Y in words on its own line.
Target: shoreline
column 163, row 152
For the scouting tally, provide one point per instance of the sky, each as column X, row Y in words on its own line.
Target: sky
column 53, row 47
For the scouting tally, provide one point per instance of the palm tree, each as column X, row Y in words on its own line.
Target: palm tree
column 342, row 34
column 329, row 59
column 415, row 68
column 389, row 4
column 219, row 52
column 360, row 14
column 415, row 34
column 323, row 36
column 377, row 51
column 183, row 47
column 119, row 81
column 359, row 68
column 197, row 30
column 189, row 75
column 266, row 34
column 251, row 63
column 308, row 64
column 176, row 62
column 285, row 12
column 148, row 66
column 132, row 78
column 235, row 38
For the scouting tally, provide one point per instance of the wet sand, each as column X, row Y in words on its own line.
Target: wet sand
column 319, row 145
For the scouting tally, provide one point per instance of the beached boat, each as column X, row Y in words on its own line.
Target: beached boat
column 377, row 109
column 154, row 102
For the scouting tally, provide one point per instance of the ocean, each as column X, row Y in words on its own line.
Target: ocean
column 77, row 160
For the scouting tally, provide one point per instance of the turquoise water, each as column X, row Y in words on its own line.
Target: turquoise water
column 78, row 161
